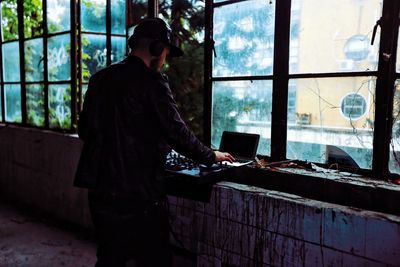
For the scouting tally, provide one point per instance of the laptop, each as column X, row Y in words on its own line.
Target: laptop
column 242, row 146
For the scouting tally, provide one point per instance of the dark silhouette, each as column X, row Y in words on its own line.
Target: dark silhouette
column 128, row 124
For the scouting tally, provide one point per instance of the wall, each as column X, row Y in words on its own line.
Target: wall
column 239, row 226
column 249, row 226
column 37, row 168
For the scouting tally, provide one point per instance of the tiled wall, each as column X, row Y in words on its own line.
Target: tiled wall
column 248, row 226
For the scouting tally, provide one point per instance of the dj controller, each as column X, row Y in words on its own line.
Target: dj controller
column 185, row 169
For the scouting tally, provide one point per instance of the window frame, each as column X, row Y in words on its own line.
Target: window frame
column 385, row 78
column 75, row 82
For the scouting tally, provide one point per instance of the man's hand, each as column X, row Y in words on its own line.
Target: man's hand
column 223, row 156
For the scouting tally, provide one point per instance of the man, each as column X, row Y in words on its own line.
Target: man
column 128, row 123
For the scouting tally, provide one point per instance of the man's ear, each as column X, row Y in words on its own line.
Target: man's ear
column 156, row 48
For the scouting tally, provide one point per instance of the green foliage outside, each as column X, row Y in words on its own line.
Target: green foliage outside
column 9, row 20
column 187, row 73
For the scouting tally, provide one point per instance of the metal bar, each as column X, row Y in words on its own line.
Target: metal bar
column 102, row 33
column 45, row 66
column 215, row 5
column 79, row 56
column 299, row 76
column 152, row 8
column 281, row 81
column 108, row 32
column 73, row 66
column 20, row 12
column 385, row 88
column 208, row 46
column 3, row 113
column 333, row 74
column 241, row 78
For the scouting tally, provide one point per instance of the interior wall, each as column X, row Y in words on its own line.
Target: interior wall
column 239, row 226
column 37, row 168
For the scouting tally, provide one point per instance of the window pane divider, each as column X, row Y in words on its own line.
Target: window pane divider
column 21, row 41
column 45, row 67
column 280, row 86
column 73, row 55
column 384, row 95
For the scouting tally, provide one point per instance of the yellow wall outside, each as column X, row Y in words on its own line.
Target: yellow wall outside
column 325, row 26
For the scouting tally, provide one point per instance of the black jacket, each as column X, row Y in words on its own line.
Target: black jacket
column 128, row 123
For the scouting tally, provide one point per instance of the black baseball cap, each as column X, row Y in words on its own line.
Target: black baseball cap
column 156, row 29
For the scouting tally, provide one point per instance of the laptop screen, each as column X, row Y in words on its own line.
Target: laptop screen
column 241, row 145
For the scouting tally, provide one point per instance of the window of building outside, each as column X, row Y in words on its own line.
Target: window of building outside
column 332, row 75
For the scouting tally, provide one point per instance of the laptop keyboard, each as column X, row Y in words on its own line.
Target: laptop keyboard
column 241, row 160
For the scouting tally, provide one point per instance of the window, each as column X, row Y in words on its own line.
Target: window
column 243, row 37
column 47, row 59
column 321, row 63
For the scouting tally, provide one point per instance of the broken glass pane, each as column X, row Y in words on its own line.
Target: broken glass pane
column 34, row 60
column 118, row 16
column 118, row 48
column 9, row 20
column 394, row 162
column 334, row 121
column 242, row 106
column 11, row 70
column 58, row 15
column 93, row 15
column 60, row 106
column 12, row 105
column 244, row 39
column 35, row 104
column 94, row 54
column 59, row 64
column 320, row 42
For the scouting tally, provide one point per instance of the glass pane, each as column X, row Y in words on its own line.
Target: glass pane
column 242, row 106
column 58, row 54
column 137, row 10
column 11, row 70
column 35, row 104
column 394, row 162
column 244, row 39
column 34, row 60
column 60, row 106
column 334, row 121
column 9, row 20
column 93, row 15
column 58, row 15
column 320, row 42
column 118, row 21
column 12, row 105
column 84, row 90
column 398, row 55
column 33, row 18
column 94, row 54
column 118, row 48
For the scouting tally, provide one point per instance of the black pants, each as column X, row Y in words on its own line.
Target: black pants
column 129, row 229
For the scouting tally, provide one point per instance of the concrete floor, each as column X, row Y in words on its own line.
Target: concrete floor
column 29, row 240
